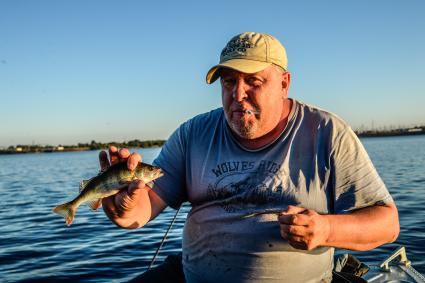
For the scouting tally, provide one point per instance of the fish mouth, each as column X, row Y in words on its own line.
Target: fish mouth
column 160, row 174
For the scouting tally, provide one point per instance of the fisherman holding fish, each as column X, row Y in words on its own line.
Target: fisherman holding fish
column 274, row 184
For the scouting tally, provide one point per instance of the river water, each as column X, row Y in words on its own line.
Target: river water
column 37, row 246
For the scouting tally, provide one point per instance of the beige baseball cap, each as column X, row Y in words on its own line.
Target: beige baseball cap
column 250, row 52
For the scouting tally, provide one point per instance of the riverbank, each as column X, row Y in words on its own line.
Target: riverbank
column 392, row 133
column 21, row 149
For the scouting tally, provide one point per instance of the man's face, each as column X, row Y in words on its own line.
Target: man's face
column 253, row 103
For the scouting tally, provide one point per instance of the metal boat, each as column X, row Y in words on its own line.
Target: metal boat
column 396, row 268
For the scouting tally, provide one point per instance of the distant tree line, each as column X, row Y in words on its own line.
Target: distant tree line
column 417, row 130
column 93, row 145
column 133, row 143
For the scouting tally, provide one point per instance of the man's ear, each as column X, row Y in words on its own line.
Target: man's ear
column 286, row 81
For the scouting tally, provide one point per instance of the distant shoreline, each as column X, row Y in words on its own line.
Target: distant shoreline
column 4, row 152
column 393, row 133
column 387, row 135
column 21, row 149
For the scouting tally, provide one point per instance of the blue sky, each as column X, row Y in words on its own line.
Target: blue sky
column 74, row 71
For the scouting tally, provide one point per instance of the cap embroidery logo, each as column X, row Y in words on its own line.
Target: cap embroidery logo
column 237, row 45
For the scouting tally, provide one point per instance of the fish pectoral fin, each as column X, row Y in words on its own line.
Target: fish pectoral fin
column 95, row 204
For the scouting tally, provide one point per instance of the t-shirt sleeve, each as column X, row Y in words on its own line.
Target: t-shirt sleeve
column 357, row 184
column 171, row 187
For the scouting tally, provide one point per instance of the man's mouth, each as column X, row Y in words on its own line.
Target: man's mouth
column 247, row 111
column 252, row 111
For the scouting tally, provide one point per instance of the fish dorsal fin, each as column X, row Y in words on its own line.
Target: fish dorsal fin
column 83, row 184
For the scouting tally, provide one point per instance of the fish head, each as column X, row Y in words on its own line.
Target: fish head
column 147, row 172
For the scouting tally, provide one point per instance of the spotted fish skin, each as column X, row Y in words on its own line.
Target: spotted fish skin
column 107, row 183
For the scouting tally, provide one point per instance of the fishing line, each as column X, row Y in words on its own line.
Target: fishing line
column 163, row 239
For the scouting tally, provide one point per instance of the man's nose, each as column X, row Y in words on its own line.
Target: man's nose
column 239, row 91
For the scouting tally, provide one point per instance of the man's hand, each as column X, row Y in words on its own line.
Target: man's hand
column 304, row 229
column 115, row 155
column 121, row 206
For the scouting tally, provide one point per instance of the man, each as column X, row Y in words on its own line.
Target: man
column 274, row 184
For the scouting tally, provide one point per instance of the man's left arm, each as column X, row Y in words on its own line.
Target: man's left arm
column 360, row 230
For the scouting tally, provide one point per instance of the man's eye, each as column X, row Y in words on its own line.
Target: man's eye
column 228, row 82
column 254, row 82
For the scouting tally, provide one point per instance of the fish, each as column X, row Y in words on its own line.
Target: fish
column 107, row 183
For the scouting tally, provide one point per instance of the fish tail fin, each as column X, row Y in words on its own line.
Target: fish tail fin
column 67, row 210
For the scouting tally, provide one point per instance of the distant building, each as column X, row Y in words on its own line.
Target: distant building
column 60, row 148
column 19, row 149
column 414, row 130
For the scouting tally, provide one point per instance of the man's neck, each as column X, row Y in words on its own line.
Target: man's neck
column 271, row 136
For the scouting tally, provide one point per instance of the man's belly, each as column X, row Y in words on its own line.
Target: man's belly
column 226, row 247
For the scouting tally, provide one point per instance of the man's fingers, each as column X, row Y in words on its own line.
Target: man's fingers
column 292, row 209
column 304, row 229
column 293, row 219
column 293, row 230
column 133, row 160
column 136, row 185
column 293, row 215
column 118, row 155
column 103, row 160
column 295, row 241
column 113, row 154
column 123, row 154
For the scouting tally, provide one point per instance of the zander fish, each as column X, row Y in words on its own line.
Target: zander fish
column 107, row 183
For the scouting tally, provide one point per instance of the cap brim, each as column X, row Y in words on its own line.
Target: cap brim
column 241, row 65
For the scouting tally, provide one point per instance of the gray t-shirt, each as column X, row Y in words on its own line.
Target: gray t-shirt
column 316, row 163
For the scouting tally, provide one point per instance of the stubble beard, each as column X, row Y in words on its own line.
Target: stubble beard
column 244, row 129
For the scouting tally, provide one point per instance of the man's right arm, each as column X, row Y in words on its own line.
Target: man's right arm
column 135, row 205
